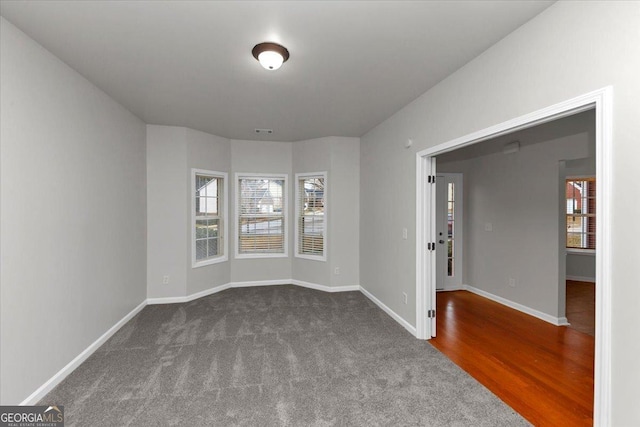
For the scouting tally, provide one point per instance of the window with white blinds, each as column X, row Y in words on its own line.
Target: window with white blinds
column 311, row 220
column 208, row 200
column 261, row 216
column 581, row 213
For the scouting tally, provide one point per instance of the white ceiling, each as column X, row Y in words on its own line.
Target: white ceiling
column 184, row 63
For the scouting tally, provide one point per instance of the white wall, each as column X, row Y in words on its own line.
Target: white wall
column 569, row 49
column 168, row 249
column 340, row 158
column 261, row 157
column 171, row 154
column 344, row 199
column 314, row 156
column 74, row 268
column 521, row 195
column 210, row 152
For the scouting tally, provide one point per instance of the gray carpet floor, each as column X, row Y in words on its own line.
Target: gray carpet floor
column 273, row 356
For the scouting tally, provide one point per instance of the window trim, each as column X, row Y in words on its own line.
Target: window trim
column 224, row 214
column 571, row 250
column 296, row 252
column 285, row 215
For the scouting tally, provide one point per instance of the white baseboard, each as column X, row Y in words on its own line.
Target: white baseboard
column 216, row 289
column 451, row 288
column 325, row 288
column 582, row 279
column 174, row 300
column 71, row 366
column 393, row 314
column 558, row 321
column 260, row 283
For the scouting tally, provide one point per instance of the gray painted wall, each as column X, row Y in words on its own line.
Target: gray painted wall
column 340, row 158
column 269, row 158
column 344, row 228
column 73, row 214
column 210, row 152
column 171, row 154
column 168, row 248
column 314, row 156
column 520, row 195
column 569, row 49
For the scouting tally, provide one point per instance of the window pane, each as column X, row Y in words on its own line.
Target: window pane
column 201, row 249
column 201, row 229
column 261, row 221
column 581, row 209
column 201, row 181
column 213, row 227
column 311, row 196
column 208, row 224
column 212, row 247
column 313, row 224
column 212, row 205
column 201, row 206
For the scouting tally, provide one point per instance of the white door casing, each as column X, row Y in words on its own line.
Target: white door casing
column 601, row 101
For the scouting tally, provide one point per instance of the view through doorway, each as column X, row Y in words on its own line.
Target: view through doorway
column 426, row 260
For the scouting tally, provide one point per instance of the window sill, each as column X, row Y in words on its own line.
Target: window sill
column 574, row 251
column 211, row 261
column 258, row 256
column 312, row 257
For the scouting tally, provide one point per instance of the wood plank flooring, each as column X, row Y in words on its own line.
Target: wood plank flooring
column 581, row 306
column 544, row 372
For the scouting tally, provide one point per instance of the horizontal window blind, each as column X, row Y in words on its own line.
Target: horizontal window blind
column 311, row 225
column 581, row 213
column 261, row 219
column 208, row 220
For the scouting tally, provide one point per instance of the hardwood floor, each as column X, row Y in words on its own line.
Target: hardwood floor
column 544, row 372
column 581, row 306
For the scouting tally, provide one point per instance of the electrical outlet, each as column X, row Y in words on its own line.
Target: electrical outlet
column 336, row 270
column 512, row 282
column 404, row 297
column 165, row 280
column 404, row 233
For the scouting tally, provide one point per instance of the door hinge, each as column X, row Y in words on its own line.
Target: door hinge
column 431, row 246
column 431, row 314
column 431, row 179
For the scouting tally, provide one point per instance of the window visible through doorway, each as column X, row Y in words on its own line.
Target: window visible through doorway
column 581, row 213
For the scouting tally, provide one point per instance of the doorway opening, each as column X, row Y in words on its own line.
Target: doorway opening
column 426, row 262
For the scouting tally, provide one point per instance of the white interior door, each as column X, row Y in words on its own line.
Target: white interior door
column 448, row 231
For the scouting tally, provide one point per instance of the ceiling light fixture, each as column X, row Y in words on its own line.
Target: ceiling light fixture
column 270, row 55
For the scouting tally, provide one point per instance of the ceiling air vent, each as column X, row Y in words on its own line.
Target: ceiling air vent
column 264, row 131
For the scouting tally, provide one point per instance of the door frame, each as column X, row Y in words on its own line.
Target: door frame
column 602, row 101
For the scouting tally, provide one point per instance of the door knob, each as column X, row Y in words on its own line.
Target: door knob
column 441, row 242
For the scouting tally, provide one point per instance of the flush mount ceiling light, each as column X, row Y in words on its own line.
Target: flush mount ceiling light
column 270, row 55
